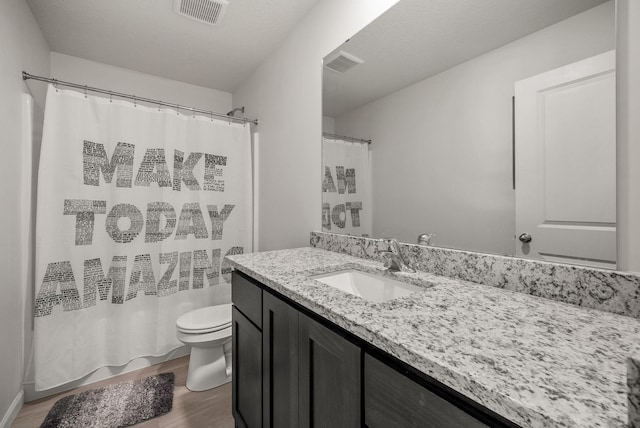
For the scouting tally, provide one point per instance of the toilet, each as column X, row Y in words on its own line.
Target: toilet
column 208, row 332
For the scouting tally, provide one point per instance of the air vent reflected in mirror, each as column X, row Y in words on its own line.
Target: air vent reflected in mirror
column 342, row 62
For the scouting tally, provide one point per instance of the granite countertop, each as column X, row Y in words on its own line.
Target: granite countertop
column 537, row 362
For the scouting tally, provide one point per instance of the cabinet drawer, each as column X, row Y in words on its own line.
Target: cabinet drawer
column 392, row 400
column 246, row 295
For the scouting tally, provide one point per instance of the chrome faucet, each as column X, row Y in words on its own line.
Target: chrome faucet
column 393, row 260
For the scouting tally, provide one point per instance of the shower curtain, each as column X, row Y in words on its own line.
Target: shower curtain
column 346, row 187
column 137, row 207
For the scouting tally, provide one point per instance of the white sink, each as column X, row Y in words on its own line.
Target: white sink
column 371, row 287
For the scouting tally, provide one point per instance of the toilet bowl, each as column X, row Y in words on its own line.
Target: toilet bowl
column 208, row 332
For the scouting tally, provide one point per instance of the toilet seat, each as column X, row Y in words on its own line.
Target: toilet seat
column 205, row 320
column 204, row 330
column 205, row 340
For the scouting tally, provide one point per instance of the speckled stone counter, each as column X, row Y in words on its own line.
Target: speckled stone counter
column 537, row 362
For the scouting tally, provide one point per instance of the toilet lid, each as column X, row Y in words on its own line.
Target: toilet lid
column 203, row 320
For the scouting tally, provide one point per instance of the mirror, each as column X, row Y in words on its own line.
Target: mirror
column 432, row 87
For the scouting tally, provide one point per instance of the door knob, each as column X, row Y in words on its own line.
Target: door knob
column 525, row 238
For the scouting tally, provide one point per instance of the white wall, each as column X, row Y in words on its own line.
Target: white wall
column 91, row 73
column 441, row 152
column 628, row 134
column 285, row 94
column 328, row 124
column 22, row 47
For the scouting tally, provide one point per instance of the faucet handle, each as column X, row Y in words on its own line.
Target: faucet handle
column 425, row 238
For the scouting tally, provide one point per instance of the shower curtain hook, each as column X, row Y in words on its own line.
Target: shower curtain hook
column 193, row 111
column 55, row 84
column 211, row 113
column 178, row 109
column 135, row 101
column 85, row 91
column 110, row 96
column 158, row 106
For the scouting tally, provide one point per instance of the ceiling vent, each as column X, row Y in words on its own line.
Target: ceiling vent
column 342, row 61
column 206, row 11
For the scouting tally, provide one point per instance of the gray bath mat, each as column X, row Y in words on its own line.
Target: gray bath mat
column 112, row 406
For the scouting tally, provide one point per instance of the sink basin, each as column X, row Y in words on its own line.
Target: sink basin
column 371, row 287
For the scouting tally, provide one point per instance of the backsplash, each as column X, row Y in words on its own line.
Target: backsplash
column 611, row 291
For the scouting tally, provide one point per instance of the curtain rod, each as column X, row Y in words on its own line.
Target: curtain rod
column 344, row 137
column 56, row 82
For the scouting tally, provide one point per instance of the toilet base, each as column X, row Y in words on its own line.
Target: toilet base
column 208, row 367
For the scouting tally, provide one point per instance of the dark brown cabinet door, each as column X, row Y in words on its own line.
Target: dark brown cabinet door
column 329, row 370
column 280, row 363
column 247, row 372
column 391, row 400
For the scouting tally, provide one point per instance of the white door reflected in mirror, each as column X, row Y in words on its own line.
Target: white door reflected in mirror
column 565, row 149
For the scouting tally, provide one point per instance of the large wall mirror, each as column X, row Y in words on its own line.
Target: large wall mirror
column 491, row 127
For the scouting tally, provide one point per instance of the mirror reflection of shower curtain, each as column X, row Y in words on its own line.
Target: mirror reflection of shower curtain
column 346, row 187
column 137, row 208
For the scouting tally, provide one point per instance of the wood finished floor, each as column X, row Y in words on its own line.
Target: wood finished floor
column 190, row 409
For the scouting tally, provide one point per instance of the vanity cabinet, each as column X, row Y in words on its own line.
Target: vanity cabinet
column 292, row 368
column 289, row 370
column 392, row 400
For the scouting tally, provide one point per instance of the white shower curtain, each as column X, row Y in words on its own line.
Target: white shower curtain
column 137, row 207
column 346, row 187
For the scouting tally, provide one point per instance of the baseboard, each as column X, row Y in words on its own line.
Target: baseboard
column 30, row 393
column 13, row 410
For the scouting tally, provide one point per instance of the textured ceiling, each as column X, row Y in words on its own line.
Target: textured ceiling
column 147, row 36
column 416, row 39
